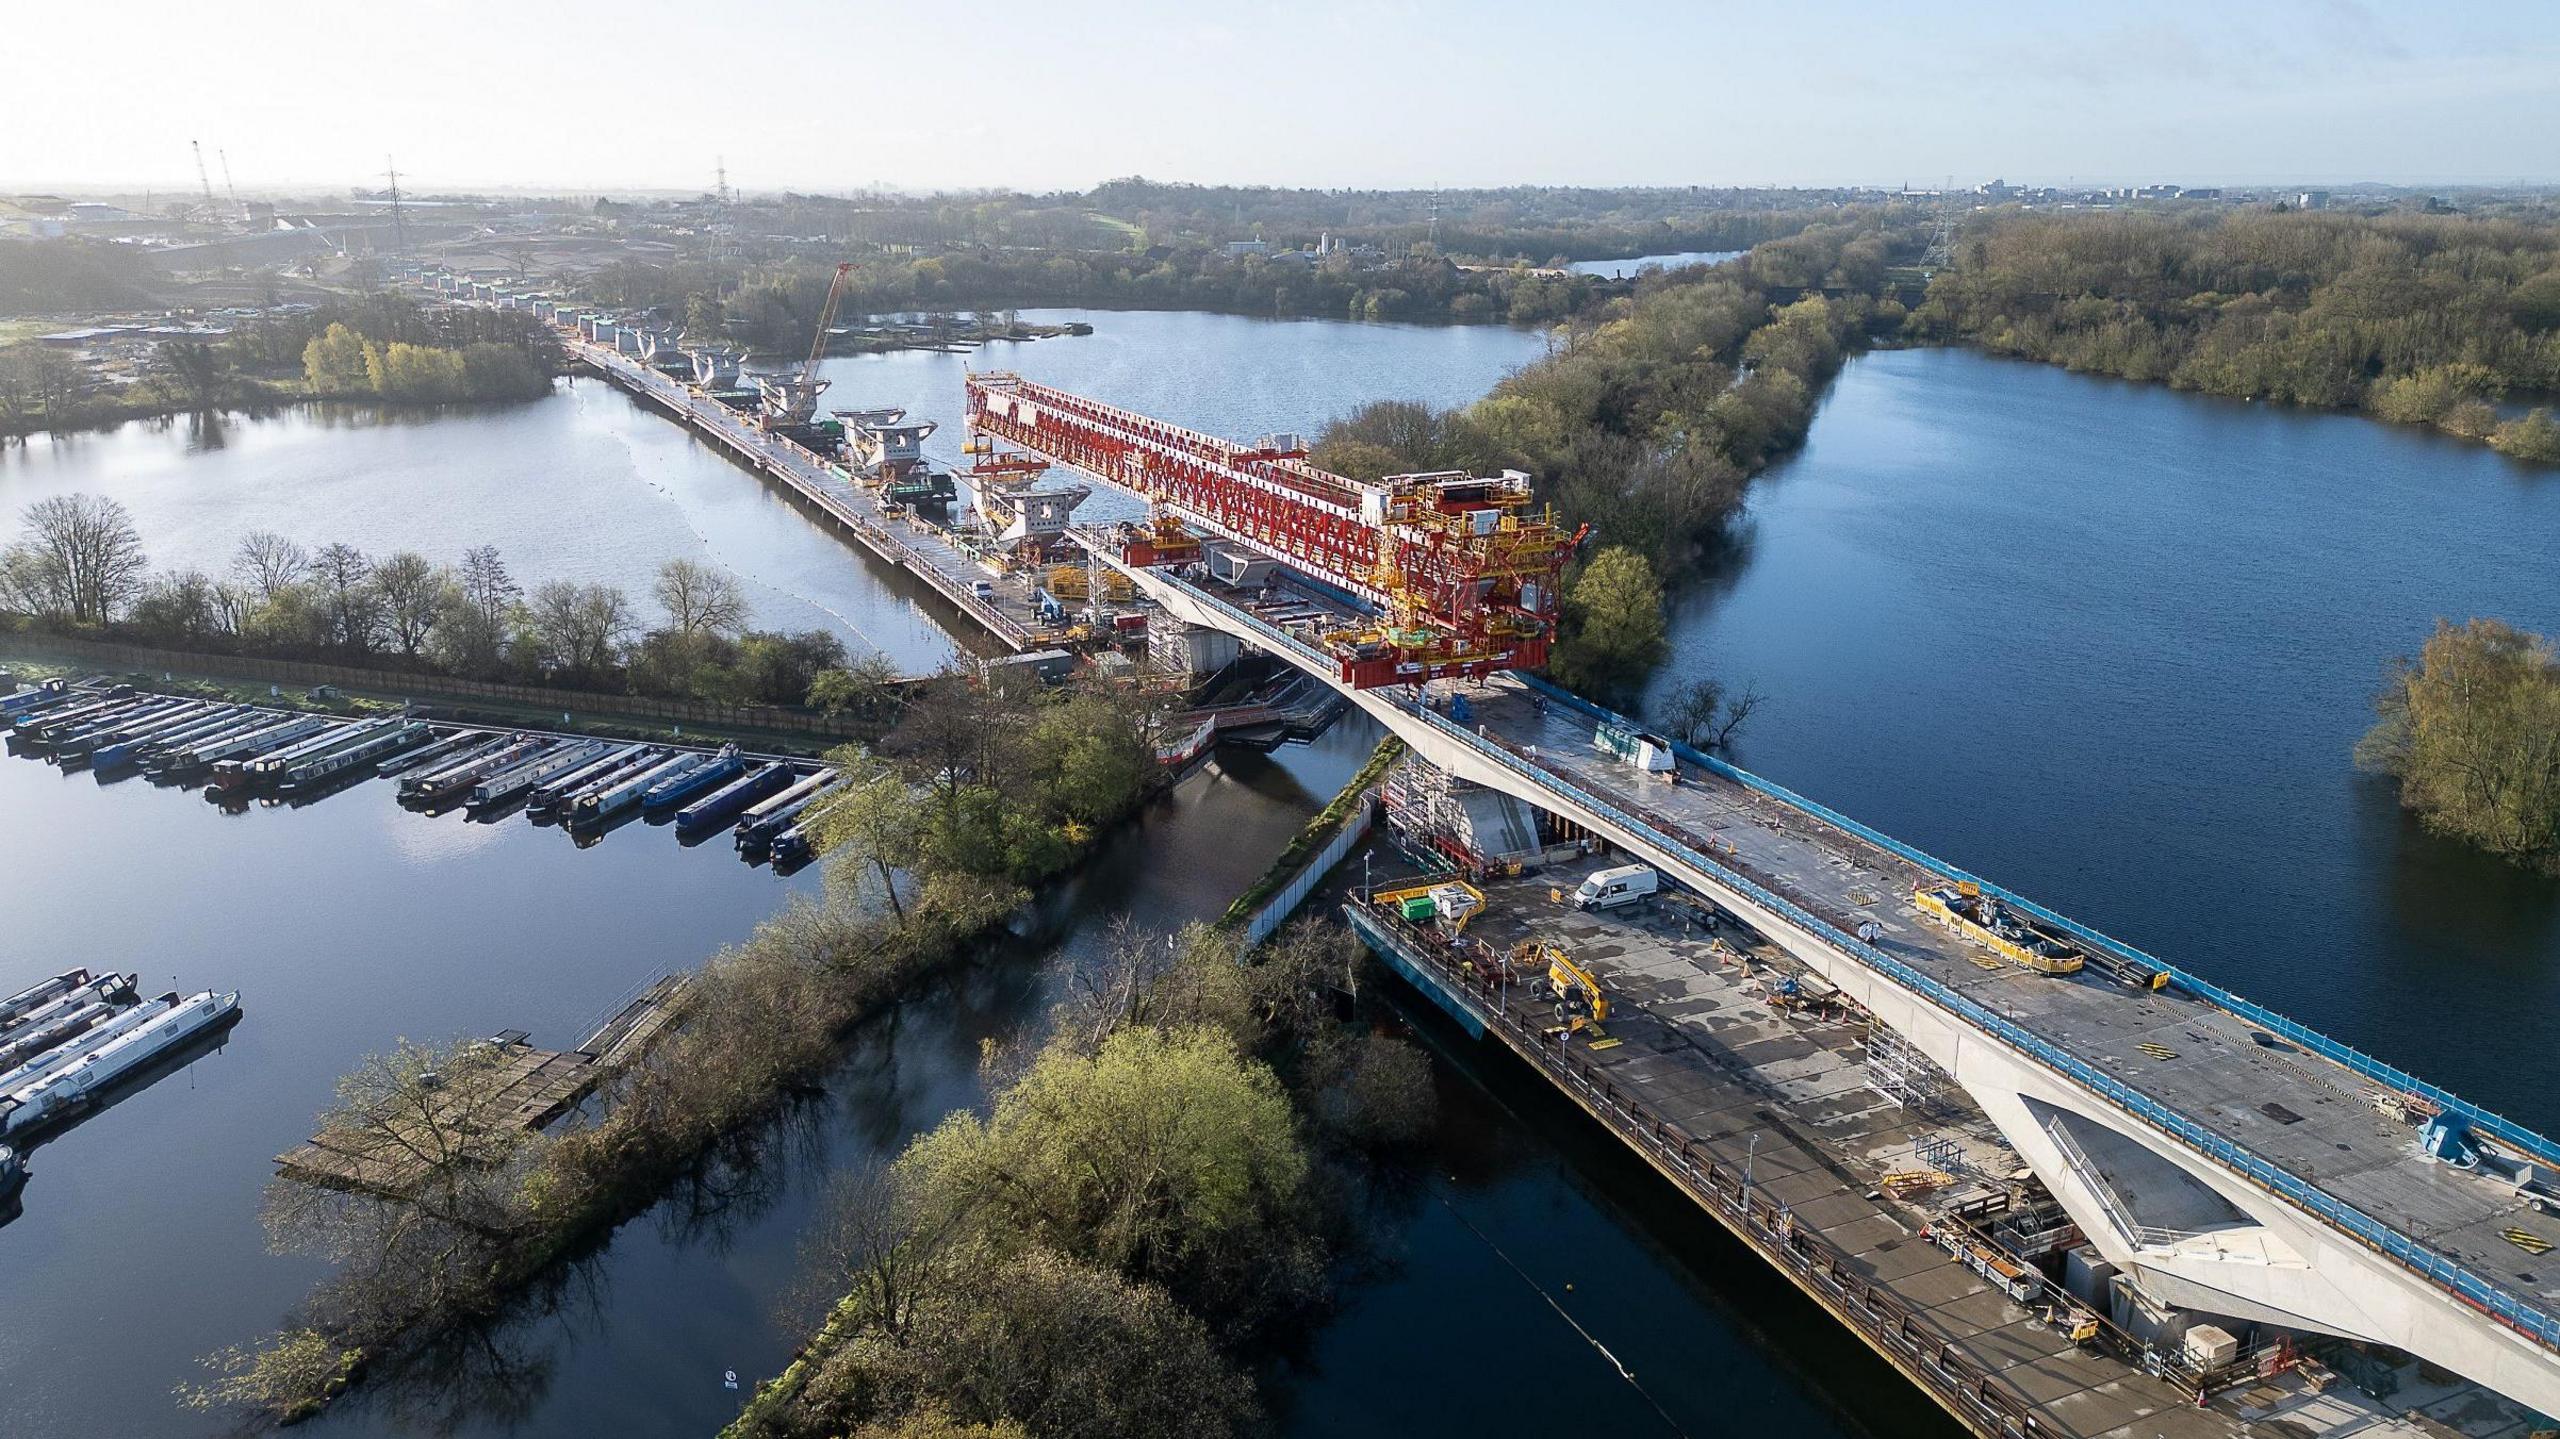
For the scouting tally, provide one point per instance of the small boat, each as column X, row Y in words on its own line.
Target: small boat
column 71, row 1087
column 675, row 790
column 595, row 806
column 549, row 795
column 721, row 804
column 36, row 996
column 458, row 740
column 500, row 787
column 758, row 826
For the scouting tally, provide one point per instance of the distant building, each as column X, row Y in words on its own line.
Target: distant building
column 1238, row 249
column 34, row 218
column 2312, row 200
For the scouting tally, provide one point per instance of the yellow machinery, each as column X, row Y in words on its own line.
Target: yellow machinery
column 1070, row 582
column 1450, row 901
column 1581, row 1004
column 1971, row 913
column 1903, row 1183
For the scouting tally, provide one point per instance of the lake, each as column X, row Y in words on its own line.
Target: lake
column 586, row 486
column 1629, row 269
column 2106, row 643
column 2111, row 645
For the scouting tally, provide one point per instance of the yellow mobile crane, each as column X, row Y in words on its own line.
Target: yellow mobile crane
column 1581, row 1004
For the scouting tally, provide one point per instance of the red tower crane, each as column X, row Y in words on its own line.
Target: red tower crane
column 1462, row 569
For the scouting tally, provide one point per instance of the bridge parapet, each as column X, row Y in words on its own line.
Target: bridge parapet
column 1551, row 786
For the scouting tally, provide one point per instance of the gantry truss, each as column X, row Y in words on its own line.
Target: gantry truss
column 1461, row 569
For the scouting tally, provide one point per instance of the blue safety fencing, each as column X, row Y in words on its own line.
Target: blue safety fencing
column 2371, row 1068
column 2382, row 1238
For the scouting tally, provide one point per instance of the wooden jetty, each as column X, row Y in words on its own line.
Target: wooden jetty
column 511, row 1085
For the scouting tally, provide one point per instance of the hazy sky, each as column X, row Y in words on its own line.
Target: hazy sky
column 583, row 96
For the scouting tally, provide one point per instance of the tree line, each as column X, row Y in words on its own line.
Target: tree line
column 379, row 347
column 2470, row 729
column 1648, row 419
column 775, row 304
column 2417, row 319
column 79, row 565
column 51, row 276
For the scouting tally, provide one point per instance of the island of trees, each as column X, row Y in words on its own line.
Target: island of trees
column 1650, row 417
column 2471, row 731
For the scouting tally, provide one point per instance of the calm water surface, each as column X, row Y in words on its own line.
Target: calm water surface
column 586, row 486
column 2111, row 645
column 1627, row 269
column 1232, row 377
column 2106, row 643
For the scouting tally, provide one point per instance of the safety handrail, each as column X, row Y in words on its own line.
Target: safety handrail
column 2533, row 1323
column 2149, row 1236
column 2374, row 1069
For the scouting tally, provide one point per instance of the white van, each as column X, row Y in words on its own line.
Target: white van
column 1609, row 888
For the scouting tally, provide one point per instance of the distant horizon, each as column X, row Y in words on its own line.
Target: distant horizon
column 427, row 187
column 647, row 96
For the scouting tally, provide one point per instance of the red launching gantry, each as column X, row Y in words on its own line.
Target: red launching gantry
column 1463, row 569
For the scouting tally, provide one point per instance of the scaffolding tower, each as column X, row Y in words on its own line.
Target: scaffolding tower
column 1902, row 1074
column 1478, row 829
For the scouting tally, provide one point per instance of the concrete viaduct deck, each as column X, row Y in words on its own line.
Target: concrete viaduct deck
column 2238, row 1162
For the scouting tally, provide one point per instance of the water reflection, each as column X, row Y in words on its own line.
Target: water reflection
column 2113, row 645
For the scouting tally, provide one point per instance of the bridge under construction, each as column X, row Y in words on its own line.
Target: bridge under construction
column 2228, row 1165
column 2231, row 1162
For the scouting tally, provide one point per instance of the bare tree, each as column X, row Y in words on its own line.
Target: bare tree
column 865, row 686
column 1703, row 715
column 267, row 562
column 487, row 585
column 348, row 601
column 179, row 606
column 481, row 605
column 438, row 1157
column 81, row 558
column 582, row 627
column 413, row 594
column 38, row 379
column 875, row 1243
column 232, row 605
column 701, row 601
